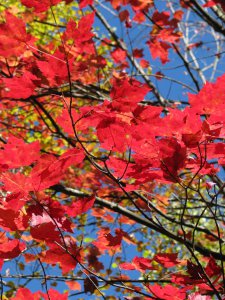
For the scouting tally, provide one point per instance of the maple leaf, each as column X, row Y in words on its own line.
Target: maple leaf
column 212, row 128
column 138, row 263
column 106, row 241
column 49, row 170
column 142, row 264
column 159, row 49
column 194, row 270
column 168, row 260
column 165, row 292
column 92, row 258
column 10, row 248
column 173, row 156
column 112, row 135
column 127, row 266
column 161, row 18
column 11, row 220
column 13, row 36
column 45, row 211
column 80, row 206
column 54, row 68
column 20, row 87
column 16, row 153
column 56, row 254
column 90, row 284
column 71, row 156
column 118, row 55
column 48, row 217
column 168, row 35
column 23, row 293
column 65, row 122
column 138, row 53
column 212, row 268
column 15, row 201
column 45, row 232
column 184, row 280
column 211, row 98
column 84, row 3
column 118, row 166
column 124, row 15
column 113, row 241
column 54, row 294
column 17, row 183
column 176, row 123
column 139, row 17
column 40, row 6
column 126, row 93
column 81, row 34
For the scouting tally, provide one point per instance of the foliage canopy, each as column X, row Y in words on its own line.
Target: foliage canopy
column 112, row 149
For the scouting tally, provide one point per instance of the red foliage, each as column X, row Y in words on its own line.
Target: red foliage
column 40, row 6
column 77, row 144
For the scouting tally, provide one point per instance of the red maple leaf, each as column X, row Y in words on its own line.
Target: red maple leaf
column 40, row 6
column 211, row 99
column 118, row 55
column 54, row 68
column 127, row 266
column 106, row 241
column 17, row 183
column 167, row 291
column 168, row 260
column 173, row 156
column 11, row 220
column 49, row 170
column 113, row 134
column 20, row 87
column 16, row 153
column 10, row 248
column 57, row 254
column 45, row 232
column 84, row 3
column 24, row 294
column 54, row 294
column 13, row 36
column 138, row 263
column 81, row 34
column 80, row 206
column 159, row 49
column 212, row 268
column 127, row 93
